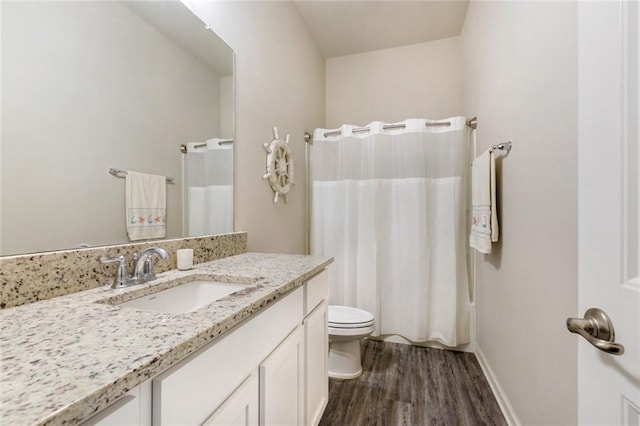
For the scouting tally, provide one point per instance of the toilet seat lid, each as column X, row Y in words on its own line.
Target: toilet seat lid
column 346, row 316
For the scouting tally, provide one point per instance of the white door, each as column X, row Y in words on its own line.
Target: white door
column 609, row 385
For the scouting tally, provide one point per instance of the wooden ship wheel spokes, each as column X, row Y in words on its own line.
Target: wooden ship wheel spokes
column 279, row 166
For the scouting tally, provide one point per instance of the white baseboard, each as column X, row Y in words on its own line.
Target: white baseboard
column 498, row 392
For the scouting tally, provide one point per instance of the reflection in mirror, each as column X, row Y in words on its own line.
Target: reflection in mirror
column 209, row 203
column 89, row 86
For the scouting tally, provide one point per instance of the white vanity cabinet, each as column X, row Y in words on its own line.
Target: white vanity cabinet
column 269, row 370
column 191, row 391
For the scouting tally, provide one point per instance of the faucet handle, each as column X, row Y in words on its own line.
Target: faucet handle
column 122, row 275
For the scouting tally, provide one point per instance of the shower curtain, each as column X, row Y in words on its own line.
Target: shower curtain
column 209, row 181
column 390, row 206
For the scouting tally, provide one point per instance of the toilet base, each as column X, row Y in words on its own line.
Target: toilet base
column 344, row 359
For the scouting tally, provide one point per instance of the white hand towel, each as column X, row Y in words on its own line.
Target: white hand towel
column 484, row 224
column 146, row 205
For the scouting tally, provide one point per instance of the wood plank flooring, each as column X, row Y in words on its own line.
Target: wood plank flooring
column 410, row 385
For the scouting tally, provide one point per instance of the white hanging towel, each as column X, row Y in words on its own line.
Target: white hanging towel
column 146, row 205
column 484, row 220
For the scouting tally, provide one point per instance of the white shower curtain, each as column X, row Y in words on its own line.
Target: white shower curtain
column 389, row 205
column 209, row 181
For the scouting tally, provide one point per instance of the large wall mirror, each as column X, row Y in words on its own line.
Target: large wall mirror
column 89, row 86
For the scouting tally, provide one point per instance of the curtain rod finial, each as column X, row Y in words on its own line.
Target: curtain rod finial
column 308, row 138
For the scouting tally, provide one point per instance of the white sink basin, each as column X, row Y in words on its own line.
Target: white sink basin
column 184, row 298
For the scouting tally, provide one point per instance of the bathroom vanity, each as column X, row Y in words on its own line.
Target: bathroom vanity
column 256, row 356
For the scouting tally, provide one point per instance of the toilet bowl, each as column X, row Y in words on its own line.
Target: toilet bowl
column 347, row 326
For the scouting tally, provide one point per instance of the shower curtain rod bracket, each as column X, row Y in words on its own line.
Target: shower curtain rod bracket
column 504, row 146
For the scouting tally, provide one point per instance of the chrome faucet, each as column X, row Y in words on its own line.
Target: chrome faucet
column 142, row 267
column 143, row 264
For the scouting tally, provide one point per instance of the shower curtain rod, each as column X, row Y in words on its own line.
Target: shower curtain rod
column 183, row 147
column 472, row 123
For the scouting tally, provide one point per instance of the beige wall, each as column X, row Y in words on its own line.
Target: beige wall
column 279, row 82
column 520, row 79
column 416, row 81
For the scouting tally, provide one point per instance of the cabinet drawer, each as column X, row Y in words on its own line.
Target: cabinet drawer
column 315, row 291
column 191, row 391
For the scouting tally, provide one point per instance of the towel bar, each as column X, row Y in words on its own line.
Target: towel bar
column 117, row 173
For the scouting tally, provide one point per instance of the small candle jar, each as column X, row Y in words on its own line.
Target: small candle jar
column 185, row 259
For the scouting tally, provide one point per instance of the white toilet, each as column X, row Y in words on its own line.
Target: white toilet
column 347, row 326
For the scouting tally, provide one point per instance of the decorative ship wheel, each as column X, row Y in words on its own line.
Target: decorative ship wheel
column 279, row 166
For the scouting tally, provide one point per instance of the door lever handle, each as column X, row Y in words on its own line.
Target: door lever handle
column 597, row 328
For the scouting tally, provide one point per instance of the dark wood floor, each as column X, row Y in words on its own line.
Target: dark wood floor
column 410, row 385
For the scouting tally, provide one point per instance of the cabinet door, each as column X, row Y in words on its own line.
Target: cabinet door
column 281, row 381
column 316, row 343
column 133, row 409
column 241, row 408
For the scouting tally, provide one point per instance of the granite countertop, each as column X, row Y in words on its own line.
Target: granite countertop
column 64, row 359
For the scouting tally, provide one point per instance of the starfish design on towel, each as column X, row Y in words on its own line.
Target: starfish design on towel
column 140, row 219
column 157, row 219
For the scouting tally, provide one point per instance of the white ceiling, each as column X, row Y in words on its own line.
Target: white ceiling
column 345, row 27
